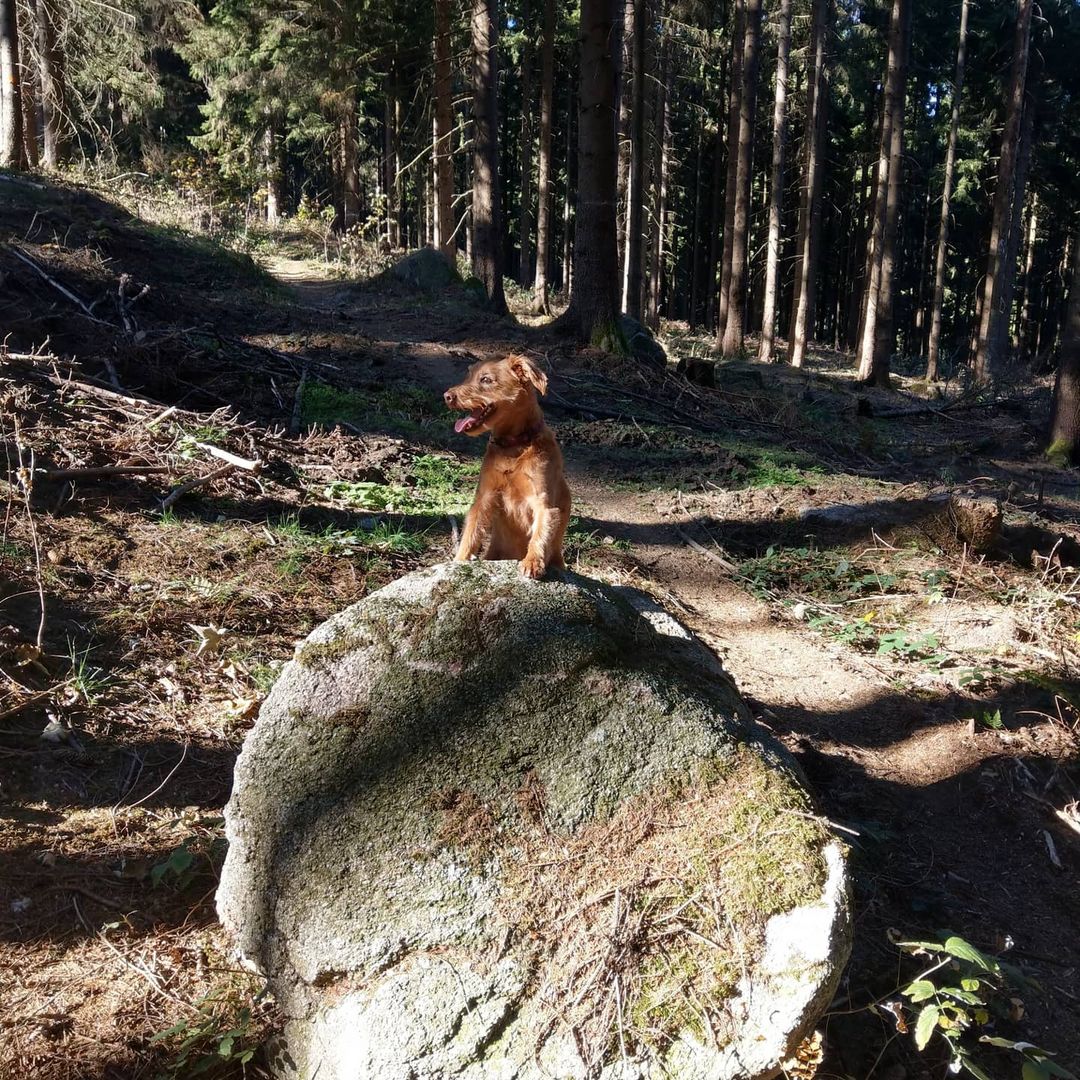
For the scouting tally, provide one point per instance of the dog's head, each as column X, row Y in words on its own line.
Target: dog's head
column 496, row 391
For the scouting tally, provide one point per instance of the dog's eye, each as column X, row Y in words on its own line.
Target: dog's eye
column 486, row 380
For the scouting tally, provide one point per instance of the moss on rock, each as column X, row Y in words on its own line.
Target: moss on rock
column 551, row 786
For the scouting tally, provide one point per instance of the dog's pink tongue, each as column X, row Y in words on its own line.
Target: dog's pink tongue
column 463, row 424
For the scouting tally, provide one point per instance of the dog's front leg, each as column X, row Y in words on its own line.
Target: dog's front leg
column 475, row 531
column 547, row 524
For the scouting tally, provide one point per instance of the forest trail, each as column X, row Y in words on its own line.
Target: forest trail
column 309, row 282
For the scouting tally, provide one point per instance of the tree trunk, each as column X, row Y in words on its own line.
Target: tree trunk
column 872, row 297
column 732, row 341
column 350, row 166
column 635, row 189
column 1065, row 415
column 543, row 179
column 51, row 74
column 593, row 313
column 1023, row 335
column 885, row 335
column 731, row 167
column 661, row 158
column 623, row 32
column 776, row 183
column 275, row 173
column 568, row 202
column 525, row 275
column 1002, row 326
column 393, row 163
column 934, row 349
column 444, row 126
column 12, row 152
column 487, row 254
column 810, row 196
column 995, row 305
column 28, row 84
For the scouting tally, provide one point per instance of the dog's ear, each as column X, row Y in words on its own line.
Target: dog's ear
column 527, row 372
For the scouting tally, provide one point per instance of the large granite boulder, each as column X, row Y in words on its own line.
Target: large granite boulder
column 487, row 827
column 425, row 269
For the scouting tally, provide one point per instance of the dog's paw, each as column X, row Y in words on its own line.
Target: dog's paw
column 532, row 566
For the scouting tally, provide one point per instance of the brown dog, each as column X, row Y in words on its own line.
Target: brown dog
column 522, row 503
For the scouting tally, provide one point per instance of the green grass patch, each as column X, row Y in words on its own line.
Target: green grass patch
column 384, row 536
column 397, row 407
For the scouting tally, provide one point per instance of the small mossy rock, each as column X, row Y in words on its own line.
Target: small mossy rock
column 641, row 343
column 488, row 827
column 425, row 269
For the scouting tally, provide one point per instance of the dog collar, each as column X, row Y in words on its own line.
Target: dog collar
column 522, row 438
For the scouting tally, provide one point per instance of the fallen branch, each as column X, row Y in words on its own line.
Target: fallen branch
column 191, row 485
column 62, row 289
column 730, row 567
column 224, row 455
column 103, row 470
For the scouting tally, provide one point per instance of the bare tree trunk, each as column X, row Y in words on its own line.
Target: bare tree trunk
column 635, row 189
column 624, row 33
column 275, row 172
column 661, row 157
column 12, row 151
column 695, row 232
column 810, row 196
column 393, row 162
column 885, row 335
column 568, row 203
column 1023, row 335
column 731, row 169
column 1000, row 347
column 487, row 255
column 350, row 165
column 444, row 125
column 872, row 297
column 776, row 183
column 995, row 305
column 593, row 312
column 525, row 275
column 51, row 74
column 934, row 349
column 1065, row 415
column 732, row 341
column 29, row 85
column 543, row 179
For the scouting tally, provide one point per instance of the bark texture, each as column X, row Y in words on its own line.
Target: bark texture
column 934, row 348
column 593, row 312
column 1065, row 418
column 810, row 193
column 635, row 188
column 443, row 135
column 732, row 341
column 12, row 152
column 995, row 304
column 487, row 252
column 776, row 182
column 543, row 175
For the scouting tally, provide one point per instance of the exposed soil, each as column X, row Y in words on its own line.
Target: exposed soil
column 929, row 692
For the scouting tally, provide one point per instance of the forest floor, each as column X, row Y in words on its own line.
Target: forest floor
column 930, row 692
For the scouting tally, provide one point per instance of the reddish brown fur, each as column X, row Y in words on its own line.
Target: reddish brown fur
column 522, row 503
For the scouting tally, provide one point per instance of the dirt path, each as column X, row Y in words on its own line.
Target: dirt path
column 308, row 281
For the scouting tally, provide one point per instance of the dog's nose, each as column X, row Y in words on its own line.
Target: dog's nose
column 448, row 397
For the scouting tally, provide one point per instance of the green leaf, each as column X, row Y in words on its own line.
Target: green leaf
column 169, row 1032
column 920, row 990
column 928, row 1019
column 962, row 950
column 970, row 984
column 1034, row 1070
column 225, row 1046
column 974, row 1069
